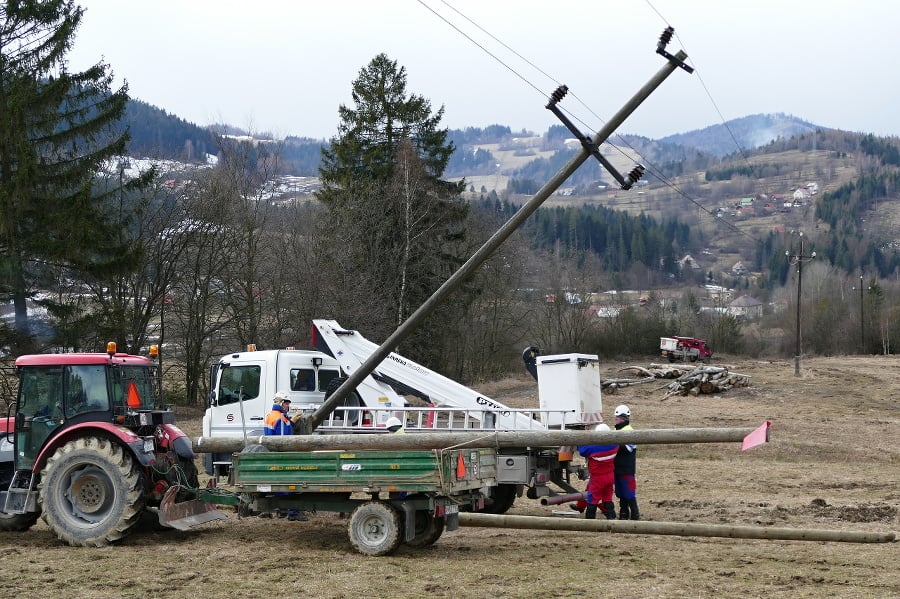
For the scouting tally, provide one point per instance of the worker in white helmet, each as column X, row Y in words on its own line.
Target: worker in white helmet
column 394, row 425
column 625, row 467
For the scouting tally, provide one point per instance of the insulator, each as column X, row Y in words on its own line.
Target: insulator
column 559, row 94
column 636, row 173
column 665, row 38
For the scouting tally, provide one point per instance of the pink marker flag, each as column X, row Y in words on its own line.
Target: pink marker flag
column 757, row 437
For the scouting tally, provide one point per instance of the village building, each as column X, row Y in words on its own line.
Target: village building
column 746, row 307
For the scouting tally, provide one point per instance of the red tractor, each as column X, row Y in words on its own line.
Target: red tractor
column 88, row 446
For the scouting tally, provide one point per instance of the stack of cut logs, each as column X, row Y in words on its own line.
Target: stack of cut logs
column 688, row 380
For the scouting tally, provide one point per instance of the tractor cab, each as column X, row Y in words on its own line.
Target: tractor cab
column 62, row 391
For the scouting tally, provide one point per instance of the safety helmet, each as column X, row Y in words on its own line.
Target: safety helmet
column 623, row 411
column 282, row 396
column 393, row 423
column 601, row 427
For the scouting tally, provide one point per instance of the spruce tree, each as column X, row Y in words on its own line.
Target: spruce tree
column 57, row 128
column 395, row 228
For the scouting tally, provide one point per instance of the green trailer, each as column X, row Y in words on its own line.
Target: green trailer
column 393, row 497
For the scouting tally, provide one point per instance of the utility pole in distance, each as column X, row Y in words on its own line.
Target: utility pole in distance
column 798, row 259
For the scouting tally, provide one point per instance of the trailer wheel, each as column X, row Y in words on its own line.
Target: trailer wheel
column 375, row 528
column 91, row 492
column 429, row 529
column 18, row 522
column 502, row 498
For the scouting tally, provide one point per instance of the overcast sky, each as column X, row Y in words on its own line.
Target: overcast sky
column 284, row 66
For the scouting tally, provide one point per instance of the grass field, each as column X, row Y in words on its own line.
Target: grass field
column 833, row 462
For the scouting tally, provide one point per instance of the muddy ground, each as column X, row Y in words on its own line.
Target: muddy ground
column 833, row 462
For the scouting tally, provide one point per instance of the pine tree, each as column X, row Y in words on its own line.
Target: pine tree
column 396, row 227
column 56, row 130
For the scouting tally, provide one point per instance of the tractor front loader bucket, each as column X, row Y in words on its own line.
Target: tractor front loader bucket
column 186, row 514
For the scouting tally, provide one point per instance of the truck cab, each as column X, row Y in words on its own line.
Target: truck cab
column 243, row 384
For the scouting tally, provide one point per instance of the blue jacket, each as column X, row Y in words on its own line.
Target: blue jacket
column 601, row 452
column 277, row 422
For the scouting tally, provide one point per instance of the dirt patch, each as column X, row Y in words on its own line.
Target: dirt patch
column 833, row 462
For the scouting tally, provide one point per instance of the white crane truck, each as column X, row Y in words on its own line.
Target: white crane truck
column 244, row 383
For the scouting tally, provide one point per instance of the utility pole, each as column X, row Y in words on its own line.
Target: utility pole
column 862, row 325
column 798, row 259
column 862, row 322
column 590, row 147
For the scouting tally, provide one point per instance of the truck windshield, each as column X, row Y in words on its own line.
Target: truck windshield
column 238, row 382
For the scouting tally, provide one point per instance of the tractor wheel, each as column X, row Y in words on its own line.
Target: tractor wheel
column 91, row 492
column 429, row 529
column 17, row 522
column 502, row 498
column 375, row 528
column 191, row 475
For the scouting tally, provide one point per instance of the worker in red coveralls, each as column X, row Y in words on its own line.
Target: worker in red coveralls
column 602, row 479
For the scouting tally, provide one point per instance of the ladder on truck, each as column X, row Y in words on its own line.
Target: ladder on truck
column 463, row 407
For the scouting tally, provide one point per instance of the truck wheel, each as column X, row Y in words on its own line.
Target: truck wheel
column 429, row 529
column 671, row 358
column 353, row 400
column 17, row 522
column 91, row 492
column 375, row 528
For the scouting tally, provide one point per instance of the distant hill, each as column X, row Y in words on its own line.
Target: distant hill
column 157, row 134
column 742, row 134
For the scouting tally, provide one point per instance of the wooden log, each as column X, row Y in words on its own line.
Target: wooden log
column 642, row 527
column 499, row 439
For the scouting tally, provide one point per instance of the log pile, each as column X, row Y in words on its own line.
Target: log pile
column 689, row 380
column 706, row 379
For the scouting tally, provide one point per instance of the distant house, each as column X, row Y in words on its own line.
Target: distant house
column 801, row 194
column 718, row 293
column 779, row 305
column 812, row 187
column 739, row 269
column 688, row 262
column 746, row 307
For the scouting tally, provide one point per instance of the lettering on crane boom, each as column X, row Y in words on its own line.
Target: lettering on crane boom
column 403, row 362
column 484, row 401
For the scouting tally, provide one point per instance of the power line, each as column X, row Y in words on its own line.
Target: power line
column 656, row 172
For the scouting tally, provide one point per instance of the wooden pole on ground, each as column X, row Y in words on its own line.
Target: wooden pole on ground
column 644, row 527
